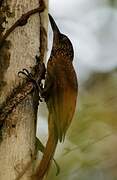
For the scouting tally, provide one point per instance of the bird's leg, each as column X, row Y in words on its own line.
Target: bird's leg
column 40, row 74
column 29, row 76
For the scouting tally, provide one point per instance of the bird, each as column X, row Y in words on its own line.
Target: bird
column 60, row 93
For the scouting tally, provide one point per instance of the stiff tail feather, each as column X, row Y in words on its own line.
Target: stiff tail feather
column 47, row 157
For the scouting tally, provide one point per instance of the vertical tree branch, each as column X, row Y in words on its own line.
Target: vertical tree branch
column 18, row 132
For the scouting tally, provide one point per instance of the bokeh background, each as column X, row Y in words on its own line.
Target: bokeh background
column 90, row 148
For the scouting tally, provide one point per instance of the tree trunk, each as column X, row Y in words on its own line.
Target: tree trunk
column 17, row 141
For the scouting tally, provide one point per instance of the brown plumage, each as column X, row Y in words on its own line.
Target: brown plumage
column 60, row 93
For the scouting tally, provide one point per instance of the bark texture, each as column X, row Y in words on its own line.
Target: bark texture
column 17, row 145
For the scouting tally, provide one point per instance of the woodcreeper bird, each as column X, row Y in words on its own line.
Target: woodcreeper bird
column 60, row 94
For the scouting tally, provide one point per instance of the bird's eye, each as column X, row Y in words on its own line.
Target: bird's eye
column 64, row 38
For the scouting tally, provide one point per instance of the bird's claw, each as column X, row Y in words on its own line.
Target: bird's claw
column 30, row 77
column 26, row 73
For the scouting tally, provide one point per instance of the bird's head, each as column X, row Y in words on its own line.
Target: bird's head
column 60, row 41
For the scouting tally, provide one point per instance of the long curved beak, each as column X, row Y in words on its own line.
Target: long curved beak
column 56, row 31
column 53, row 25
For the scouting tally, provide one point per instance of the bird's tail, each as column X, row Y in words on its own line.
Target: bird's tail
column 47, row 156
